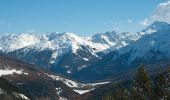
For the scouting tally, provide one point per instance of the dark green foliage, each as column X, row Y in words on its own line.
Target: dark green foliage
column 4, row 84
column 123, row 94
column 142, row 88
column 108, row 96
column 160, row 86
column 120, row 93
column 9, row 91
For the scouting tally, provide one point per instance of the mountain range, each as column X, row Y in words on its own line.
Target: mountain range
column 151, row 50
column 69, row 54
column 51, row 61
column 64, row 53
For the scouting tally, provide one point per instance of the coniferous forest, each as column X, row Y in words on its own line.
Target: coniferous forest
column 143, row 87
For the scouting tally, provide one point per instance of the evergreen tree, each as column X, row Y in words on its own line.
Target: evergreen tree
column 167, row 85
column 119, row 94
column 142, row 87
column 108, row 96
column 123, row 94
column 136, row 93
column 160, row 87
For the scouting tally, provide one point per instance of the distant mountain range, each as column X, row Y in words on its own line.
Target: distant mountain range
column 64, row 53
column 64, row 66
column 101, row 56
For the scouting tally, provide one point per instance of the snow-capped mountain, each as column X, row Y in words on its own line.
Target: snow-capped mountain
column 77, row 57
column 114, row 40
column 152, row 44
column 152, row 49
column 53, row 41
column 159, row 26
column 54, row 44
column 64, row 53
column 13, row 42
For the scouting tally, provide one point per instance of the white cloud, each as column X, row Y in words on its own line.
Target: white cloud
column 145, row 22
column 161, row 13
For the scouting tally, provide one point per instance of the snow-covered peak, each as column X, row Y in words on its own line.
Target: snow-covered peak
column 65, row 41
column 157, row 42
column 62, row 43
column 52, row 35
column 158, row 26
column 114, row 40
column 68, row 40
column 67, row 36
column 13, row 42
column 104, row 38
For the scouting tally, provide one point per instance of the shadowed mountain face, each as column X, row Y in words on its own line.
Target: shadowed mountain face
column 27, row 80
column 10, row 92
column 32, row 81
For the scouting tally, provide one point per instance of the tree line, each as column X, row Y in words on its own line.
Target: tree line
column 144, row 88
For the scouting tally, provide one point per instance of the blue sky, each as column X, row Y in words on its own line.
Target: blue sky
column 82, row 17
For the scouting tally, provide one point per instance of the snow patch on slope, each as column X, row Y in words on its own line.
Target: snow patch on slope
column 9, row 72
column 23, row 96
column 77, row 87
column 83, row 91
column 68, row 82
column 99, row 83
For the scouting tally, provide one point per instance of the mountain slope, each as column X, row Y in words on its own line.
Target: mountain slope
column 35, row 82
column 10, row 92
column 114, row 40
column 64, row 53
column 151, row 50
column 39, row 84
column 69, row 54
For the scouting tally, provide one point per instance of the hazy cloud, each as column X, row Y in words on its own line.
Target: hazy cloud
column 145, row 22
column 161, row 13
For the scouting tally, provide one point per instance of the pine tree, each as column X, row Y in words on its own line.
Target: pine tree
column 167, row 85
column 136, row 93
column 160, row 87
column 142, row 87
column 108, row 96
column 120, row 93
column 123, row 94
